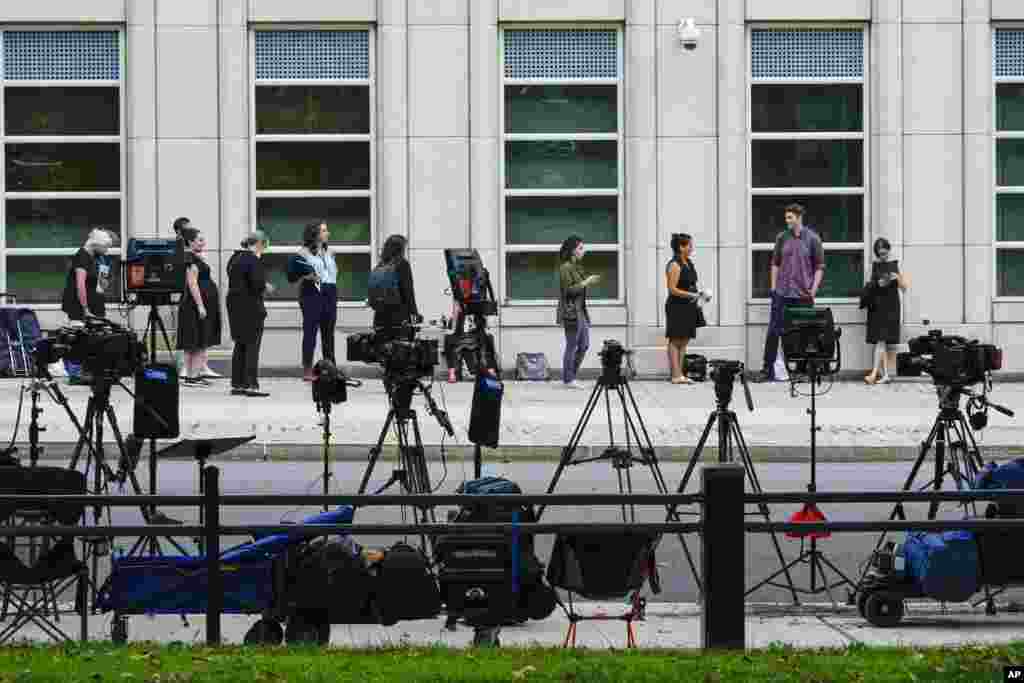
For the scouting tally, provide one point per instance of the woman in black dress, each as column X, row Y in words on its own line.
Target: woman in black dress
column 247, row 285
column 884, row 312
column 199, row 311
column 683, row 315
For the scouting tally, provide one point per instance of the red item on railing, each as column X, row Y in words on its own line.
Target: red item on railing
column 809, row 513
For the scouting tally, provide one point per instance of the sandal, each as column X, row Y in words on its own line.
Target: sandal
column 871, row 379
column 885, row 379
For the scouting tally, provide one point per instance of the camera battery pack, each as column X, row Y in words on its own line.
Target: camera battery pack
column 485, row 414
column 156, row 393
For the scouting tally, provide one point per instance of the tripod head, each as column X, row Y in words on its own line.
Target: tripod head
column 400, row 391
column 724, row 374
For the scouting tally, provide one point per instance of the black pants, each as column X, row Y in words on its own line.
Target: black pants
column 245, row 363
column 451, row 348
column 319, row 314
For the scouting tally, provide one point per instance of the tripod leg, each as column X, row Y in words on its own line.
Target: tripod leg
column 375, row 452
column 748, row 464
column 84, row 433
column 940, row 467
column 574, row 440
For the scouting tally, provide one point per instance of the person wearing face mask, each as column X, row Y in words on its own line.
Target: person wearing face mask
column 572, row 313
column 86, row 286
column 314, row 267
column 199, row 324
column 882, row 299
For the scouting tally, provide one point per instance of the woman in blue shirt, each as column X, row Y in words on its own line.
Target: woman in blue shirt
column 316, row 271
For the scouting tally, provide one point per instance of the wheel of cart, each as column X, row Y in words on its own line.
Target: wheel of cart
column 884, row 609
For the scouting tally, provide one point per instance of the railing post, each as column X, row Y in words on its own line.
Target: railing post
column 723, row 558
column 211, row 542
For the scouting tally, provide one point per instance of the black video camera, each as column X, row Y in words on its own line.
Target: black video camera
column 104, row 349
column 612, row 354
column 330, row 384
column 950, row 360
column 398, row 356
column 154, row 270
column 724, row 374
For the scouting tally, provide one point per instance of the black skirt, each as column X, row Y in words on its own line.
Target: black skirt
column 682, row 318
column 195, row 334
column 884, row 316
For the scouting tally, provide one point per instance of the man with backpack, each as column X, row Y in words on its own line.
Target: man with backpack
column 392, row 295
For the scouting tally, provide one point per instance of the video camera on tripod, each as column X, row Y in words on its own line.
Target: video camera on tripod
column 950, row 360
column 330, row 385
column 724, row 374
column 104, row 349
column 612, row 354
column 409, row 357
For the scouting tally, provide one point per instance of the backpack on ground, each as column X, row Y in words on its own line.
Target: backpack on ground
column 532, row 367
column 944, row 565
column 383, row 289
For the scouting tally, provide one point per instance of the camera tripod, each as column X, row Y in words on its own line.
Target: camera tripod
column 620, row 459
column 956, row 455
column 818, row 564
column 412, row 474
column 730, row 441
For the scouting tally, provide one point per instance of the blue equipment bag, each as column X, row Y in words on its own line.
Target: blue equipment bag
column 485, row 413
column 1009, row 475
column 944, row 566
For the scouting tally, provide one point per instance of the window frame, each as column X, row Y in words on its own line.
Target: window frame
column 864, row 136
column 997, row 189
column 369, row 138
column 120, row 139
column 504, row 193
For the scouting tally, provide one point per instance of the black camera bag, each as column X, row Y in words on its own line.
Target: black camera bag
column 405, row 590
column 696, row 367
column 324, row 576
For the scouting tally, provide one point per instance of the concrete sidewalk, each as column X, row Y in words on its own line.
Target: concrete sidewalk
column 857, row 421
column 667, row 625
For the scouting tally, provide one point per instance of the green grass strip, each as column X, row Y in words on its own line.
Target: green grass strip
column 182, row 663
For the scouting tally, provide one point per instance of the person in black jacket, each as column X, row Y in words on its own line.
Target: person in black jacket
column 247, row 286
column 404, row 313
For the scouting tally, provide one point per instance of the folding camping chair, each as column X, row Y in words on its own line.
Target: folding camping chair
column 604, row 566
column 31, row 590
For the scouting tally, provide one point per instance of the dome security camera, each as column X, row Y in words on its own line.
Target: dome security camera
column 689, row 34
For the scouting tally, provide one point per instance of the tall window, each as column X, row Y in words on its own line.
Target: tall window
column 562, row 157
column 1009, row 176
column 61, row 133
column 312, row 153
column 807, row 145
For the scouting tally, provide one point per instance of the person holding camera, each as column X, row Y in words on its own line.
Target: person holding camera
column 199, row 324
column 392, row 293
column 798, row 266
column 86, row 286
column 316, row 271
column 247, row 312
column 572, row 313
column 882, row 299
column 683, row 314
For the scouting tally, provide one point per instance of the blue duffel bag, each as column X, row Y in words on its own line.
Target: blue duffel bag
column 944, row 566
column 1009, row 475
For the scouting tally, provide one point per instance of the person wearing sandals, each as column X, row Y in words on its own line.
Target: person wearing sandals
column 882, row 296
column 199, row 325
column 683, row 315
column 247, row 313
column 572, row 312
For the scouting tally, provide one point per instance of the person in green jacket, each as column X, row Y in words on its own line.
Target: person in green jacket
column 572, row 312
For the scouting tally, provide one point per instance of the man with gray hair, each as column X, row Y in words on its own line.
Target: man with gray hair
column 86, row 286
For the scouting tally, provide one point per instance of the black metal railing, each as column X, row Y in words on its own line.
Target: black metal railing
column 722, row 525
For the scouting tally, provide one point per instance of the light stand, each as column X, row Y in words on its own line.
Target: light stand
column 817, row 563
column 730, row 440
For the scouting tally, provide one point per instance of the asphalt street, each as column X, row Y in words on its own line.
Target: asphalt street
column 847, row 551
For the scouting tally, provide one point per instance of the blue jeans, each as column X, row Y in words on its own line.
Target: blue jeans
column 577, row 341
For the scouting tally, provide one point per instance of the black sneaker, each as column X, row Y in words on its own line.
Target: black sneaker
column 239, row 391
column 256, row 393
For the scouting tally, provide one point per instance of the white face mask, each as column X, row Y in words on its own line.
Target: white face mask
column 693, row 252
